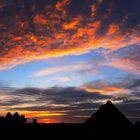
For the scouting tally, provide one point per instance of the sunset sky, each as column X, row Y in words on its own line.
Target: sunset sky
column 61, row 59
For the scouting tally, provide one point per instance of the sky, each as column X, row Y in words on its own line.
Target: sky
column 62, row 59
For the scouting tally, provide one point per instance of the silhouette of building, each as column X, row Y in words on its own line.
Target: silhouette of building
column 108, row 116
column 34, row 121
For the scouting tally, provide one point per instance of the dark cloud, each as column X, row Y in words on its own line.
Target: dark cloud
column 74, row 102
column 131, row 82
column 131, row 109
column 70, row 100
column 69, row 96
column 135, row 84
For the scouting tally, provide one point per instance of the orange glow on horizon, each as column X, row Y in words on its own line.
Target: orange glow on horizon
column 48, row 120
column 41, row 116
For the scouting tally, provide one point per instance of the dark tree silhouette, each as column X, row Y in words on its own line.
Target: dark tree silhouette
column 16, row 118
column 23, row 119
column 9, row 119
column 9, row 116
column 2, row 121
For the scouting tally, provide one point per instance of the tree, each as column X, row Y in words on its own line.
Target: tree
column 23, row 119
column 9, row 117
column 16, row 118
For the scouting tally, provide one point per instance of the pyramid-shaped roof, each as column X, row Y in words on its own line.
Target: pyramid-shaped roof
column 108, row 116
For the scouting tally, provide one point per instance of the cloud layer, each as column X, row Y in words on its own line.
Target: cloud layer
column 34, row 30
column 73, row 104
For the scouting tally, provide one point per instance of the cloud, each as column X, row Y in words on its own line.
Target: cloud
column 129, row 61
column 126, row 59
column 80, row 67
column 105, row 88
column 60, row 5
column 125, row 64
column 131, row 82
column 93, row 10
column 52, row 102
column 129, row 109
column 54, row 70
column 112, row 29
column 54, row 29
column 63, row 79
column 126, row 87
column 5, row 85
column 71, row 25
column 135, row 84
column 72, row 104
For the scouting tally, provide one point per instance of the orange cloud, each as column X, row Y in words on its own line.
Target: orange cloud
column 71, row 25
column 60, row 5
column 108, row 90
column 39, row 19
column 81, row 42
column 54, row 33
column 112, row 29
column 127, row 64
column 93, row 10
column 34, row 39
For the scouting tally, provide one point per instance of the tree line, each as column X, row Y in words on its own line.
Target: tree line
column 12, row 120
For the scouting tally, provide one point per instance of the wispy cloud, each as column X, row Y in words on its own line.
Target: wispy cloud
column 59, row 103
column 52, row 102
column 63, row 79
column 127, row 59
column 75, row 67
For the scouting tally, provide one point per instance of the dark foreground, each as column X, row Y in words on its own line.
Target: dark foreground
column 107, row 123
column 69, row 131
